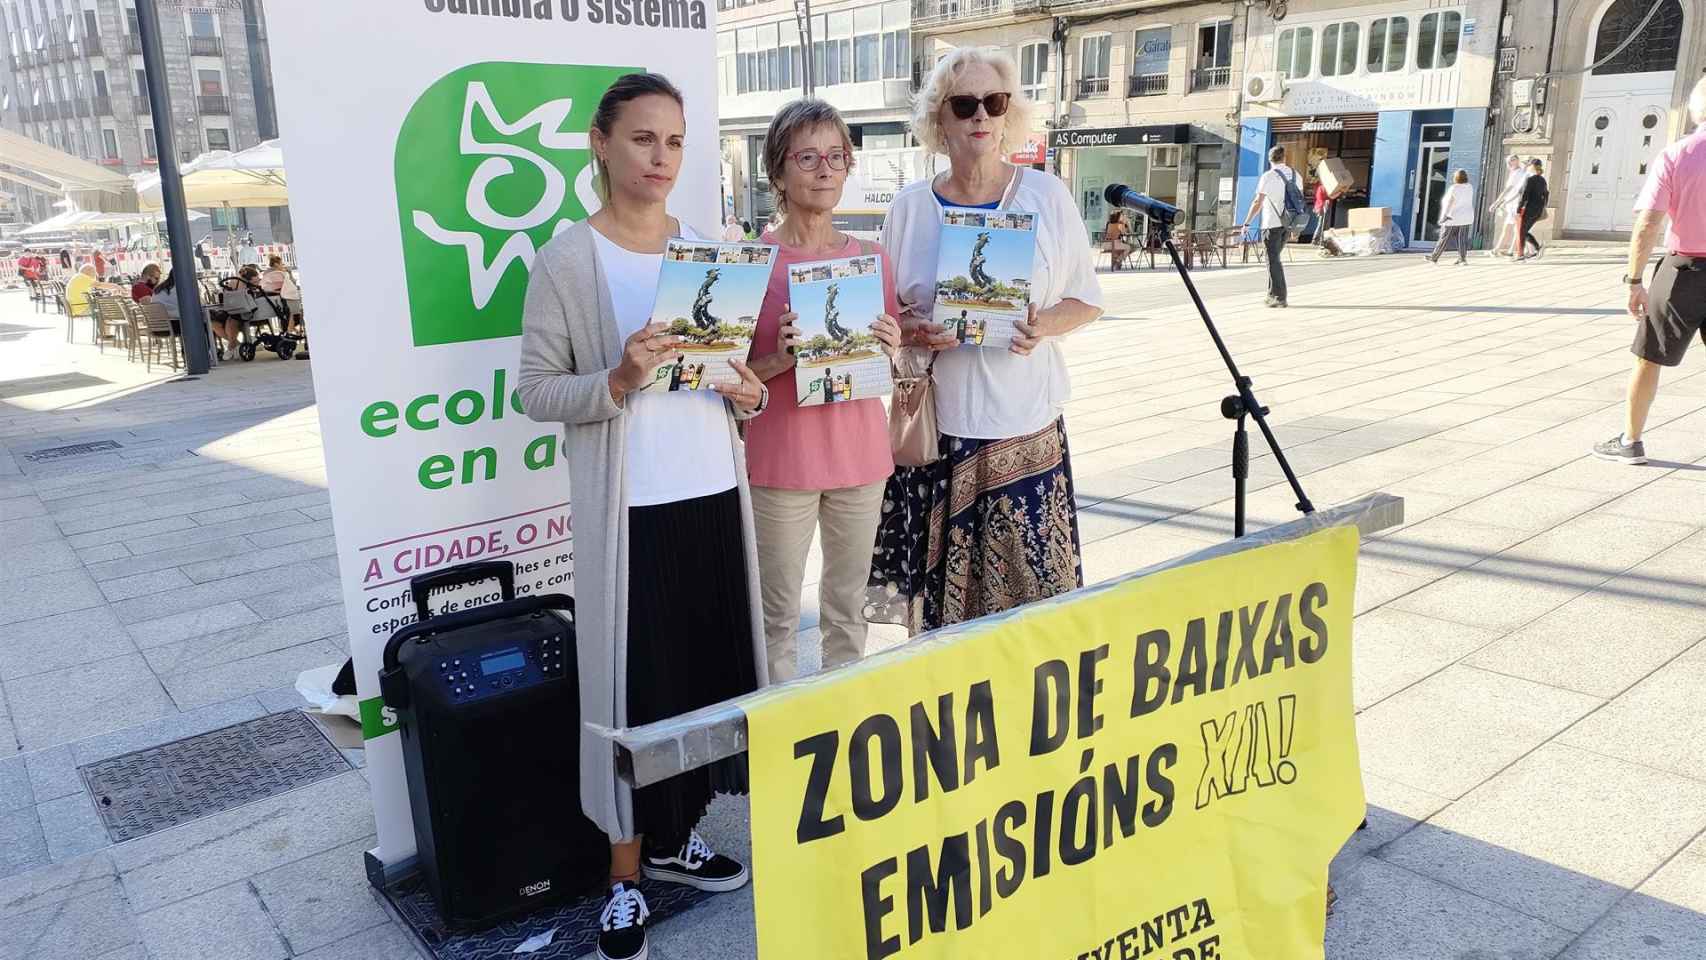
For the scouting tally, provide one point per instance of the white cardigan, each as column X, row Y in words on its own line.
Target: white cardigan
column 990, row 394
column 1457, row 207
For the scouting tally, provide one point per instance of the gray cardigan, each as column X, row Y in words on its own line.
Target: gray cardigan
column 569, row 343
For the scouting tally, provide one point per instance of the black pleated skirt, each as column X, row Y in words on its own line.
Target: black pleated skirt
column 689, row 643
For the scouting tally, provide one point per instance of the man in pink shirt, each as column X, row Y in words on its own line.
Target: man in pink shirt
column 1674, row 312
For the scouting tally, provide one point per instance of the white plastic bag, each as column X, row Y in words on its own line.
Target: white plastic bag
column 316, row 687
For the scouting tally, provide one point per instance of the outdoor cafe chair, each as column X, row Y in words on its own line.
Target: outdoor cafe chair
column 110, row 323
column 157, row 324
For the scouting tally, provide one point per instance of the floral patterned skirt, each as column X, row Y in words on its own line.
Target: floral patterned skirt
column 988, row 527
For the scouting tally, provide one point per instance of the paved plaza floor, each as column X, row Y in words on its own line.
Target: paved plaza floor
column 1529, row 648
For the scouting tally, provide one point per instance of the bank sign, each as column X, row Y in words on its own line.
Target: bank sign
column 426, row 173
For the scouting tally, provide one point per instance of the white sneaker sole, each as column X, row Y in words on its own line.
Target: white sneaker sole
column 645, row 951
column 1618, row 458
column 666, row 875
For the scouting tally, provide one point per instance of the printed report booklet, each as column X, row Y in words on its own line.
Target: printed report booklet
column 709, row 294
column 838, row 358
column 983, row 273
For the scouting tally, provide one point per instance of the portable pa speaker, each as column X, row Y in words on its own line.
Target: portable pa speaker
column 488, row 710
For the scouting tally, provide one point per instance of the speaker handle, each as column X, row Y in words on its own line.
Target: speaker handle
column 423, row 586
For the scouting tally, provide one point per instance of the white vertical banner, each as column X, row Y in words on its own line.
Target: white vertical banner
column 432, row 146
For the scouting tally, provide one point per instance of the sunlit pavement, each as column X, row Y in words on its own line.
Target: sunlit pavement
column 1529, row 658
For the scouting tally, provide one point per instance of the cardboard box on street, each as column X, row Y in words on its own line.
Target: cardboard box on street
column 1335, row 176
column 1370, row 218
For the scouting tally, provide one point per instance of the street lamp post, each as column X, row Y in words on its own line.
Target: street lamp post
column 803, row 16
column 197, row 350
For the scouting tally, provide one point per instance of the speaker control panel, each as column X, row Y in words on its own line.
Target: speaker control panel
column 479, row 674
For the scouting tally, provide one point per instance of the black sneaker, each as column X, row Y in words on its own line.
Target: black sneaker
column 1615, row 449
column 697, row 865
column 622, row 926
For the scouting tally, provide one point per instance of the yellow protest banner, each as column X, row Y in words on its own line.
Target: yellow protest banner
column 1161, row 768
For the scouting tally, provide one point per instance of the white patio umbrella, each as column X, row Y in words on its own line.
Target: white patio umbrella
column 247, row 178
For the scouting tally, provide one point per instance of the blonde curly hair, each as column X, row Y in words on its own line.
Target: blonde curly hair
column 927, row 105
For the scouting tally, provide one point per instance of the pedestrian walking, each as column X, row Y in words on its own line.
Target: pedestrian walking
column 1272, row 201
column 1672, row 314
column 1456, row 217
column 1531, row 210
column 1504, row 206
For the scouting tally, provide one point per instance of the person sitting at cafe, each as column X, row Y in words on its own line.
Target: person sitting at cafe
column 77, row 291
column 277, row 280
column 1114, row 238
column 142, row 291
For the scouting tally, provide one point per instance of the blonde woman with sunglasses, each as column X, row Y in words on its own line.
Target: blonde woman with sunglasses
column 990, row 525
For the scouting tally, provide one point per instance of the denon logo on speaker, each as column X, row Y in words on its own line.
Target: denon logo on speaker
column 535, row 889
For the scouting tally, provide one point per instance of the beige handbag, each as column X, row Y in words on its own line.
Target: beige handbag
column 913, row 435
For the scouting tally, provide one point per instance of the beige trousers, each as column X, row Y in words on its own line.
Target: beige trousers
column 784, row 521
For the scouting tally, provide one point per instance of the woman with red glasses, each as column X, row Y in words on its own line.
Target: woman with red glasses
column 815, row 470
column 991, row 524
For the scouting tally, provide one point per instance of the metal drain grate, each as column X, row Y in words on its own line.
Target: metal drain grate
column 72, row 450
column 149, row 790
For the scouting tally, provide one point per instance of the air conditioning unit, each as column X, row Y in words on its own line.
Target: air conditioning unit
column 1264, row 87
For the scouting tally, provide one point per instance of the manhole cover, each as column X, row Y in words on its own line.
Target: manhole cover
column 72, row 450
column 149, row 790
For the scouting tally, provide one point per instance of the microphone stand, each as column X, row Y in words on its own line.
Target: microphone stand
column 1238, row 407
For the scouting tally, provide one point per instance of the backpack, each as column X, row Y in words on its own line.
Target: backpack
column 1296, row 215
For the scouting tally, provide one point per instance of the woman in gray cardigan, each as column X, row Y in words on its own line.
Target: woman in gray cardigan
column 668, row 617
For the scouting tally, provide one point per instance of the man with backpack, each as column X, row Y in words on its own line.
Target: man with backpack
column 1279, row 200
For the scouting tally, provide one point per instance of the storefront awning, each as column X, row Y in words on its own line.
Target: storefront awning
column 57, row 166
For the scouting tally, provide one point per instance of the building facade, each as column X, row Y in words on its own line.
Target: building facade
column 71, row 77
column 1399, row 92
column 1596, row 96
column 861, row 57
column 1143, row 94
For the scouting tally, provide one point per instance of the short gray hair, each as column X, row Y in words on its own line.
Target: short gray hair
column 927, row 105
column 806, row 113
column 1697, row 101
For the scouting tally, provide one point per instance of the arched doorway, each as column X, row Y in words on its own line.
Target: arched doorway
column 1622, row 122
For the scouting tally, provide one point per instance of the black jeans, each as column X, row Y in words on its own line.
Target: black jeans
column 1273, row 239
column 1525, row 224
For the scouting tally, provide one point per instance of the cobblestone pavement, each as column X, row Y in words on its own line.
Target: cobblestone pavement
column 1529, row 646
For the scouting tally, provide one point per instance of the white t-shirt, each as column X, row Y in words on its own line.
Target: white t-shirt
column 992, row 394
column 1272, row 190
column 1457, row 207
column 678, row 443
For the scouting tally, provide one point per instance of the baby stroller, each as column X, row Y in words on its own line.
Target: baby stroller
column 256, row 311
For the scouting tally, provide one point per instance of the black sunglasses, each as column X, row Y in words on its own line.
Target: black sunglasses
column 965, row 106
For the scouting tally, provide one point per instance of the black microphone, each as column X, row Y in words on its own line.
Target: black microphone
column 1121, row 195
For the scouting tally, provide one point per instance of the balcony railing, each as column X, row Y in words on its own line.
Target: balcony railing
column 58, row 51
column 92, row 46
column 928, row 13
column 132, row 43
column 103, row 105
column 38, row 113
column 215, row 106
column 1211, row 78
column 1146, row 85
column 1092, row 87
column 143, row 106
column 82, row 108
column 205, row 47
